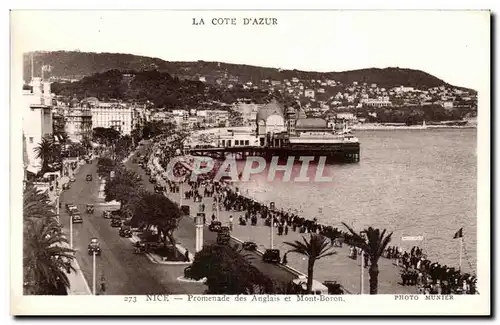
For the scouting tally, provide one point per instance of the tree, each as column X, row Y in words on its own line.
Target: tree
column 374, row 245
column 157, row 210
column 317, row 247
column 228, row 272
column 105, row 136
column 45, row 151
column 122, row 186
column 43, row 253
column 105, row 166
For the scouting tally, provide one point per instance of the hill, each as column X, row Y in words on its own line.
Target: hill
column 159, row 88
column 76, row 65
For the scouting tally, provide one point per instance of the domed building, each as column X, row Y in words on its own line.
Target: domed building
column 270, row 121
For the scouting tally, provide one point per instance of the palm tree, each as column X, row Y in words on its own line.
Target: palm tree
column 45, row 151
column 374, row 245
column 317, row 247
column 43, row 251
column 87, row 143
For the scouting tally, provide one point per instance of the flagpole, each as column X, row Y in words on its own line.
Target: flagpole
column 461, row 247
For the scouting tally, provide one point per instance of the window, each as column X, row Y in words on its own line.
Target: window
column 236, row 142
column 247, row 142
column 31, row 139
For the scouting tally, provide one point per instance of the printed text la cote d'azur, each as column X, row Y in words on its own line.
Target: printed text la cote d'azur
column 270, row 21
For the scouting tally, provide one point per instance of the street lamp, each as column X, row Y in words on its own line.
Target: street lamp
column 93, row 273
column 57, row 205
column 70, row 231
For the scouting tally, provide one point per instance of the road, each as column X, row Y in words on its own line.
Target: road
column 125, row 273
column 185, row 233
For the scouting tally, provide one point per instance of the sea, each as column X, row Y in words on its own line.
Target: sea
column 414, row 183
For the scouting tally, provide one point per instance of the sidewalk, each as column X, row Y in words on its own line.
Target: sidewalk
column 77, row 282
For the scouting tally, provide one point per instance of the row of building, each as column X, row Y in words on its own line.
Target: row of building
column 44, row 113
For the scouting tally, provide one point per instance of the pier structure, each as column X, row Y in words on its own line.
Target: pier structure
column 340, row 153
column 282, row 133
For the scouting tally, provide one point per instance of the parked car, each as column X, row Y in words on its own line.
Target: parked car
column 88, row 178
column 271, row 256
column 76, row 218
column 249, row 246
column 223, row 238
column 159, row 189
column 66, row 186
column 106, row 214
column 116, row 222
column 125, row 231
column 72, row 179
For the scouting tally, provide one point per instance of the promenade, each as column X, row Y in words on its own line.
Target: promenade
column 338, row 267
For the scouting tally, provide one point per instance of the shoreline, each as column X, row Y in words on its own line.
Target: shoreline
column 409, row 127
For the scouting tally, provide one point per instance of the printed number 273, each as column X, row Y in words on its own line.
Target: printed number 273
column 130, row 299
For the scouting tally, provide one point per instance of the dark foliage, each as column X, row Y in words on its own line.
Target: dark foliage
column 228, row 272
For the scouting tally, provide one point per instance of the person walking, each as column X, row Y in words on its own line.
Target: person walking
column 231, row 223
column 103, row 284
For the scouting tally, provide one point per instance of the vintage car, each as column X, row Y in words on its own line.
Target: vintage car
column 116, row 222
column 66, row 186
column 106, row 214
column 334, row 288
column 88, row 177
column 76, row 218
column 223, row 238
column 271, row 256
column 215, row 226
column 94, row 247
column 159, row 189
column 249, row 246
column 125, row 231
column 72, row 179
column 68, row 206
column 90, row 209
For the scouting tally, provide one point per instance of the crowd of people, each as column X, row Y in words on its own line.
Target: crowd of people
column 416, row 268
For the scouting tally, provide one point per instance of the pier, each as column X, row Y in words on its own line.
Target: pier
column 342, row 152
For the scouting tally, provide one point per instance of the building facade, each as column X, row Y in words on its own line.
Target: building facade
column 77, row 121
column 37, row 120
column 118, row 116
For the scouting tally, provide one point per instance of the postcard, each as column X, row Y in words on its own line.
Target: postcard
column 301, row 162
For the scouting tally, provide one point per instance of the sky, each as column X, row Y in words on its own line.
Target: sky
column 451, row 45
